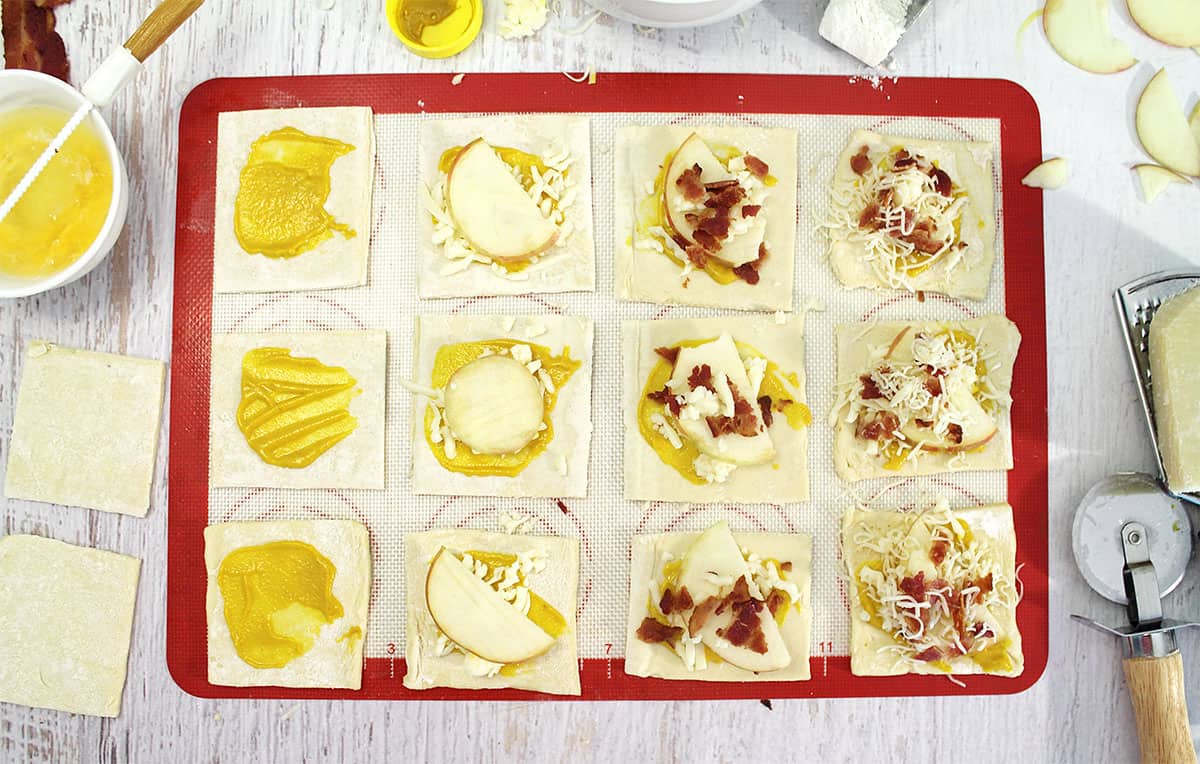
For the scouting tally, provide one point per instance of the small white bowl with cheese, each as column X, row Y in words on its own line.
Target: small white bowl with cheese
column 674, row 13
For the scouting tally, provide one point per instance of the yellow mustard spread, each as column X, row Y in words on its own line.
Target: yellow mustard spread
column 418, row 15
column 62, row 213
column 451, row 358
column 280, row 206
column 682, row 459
column 278, row 596
column 293, row 409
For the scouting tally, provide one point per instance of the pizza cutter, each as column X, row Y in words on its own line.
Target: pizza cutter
column 1132, row 542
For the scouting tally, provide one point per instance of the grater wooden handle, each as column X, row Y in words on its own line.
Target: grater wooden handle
column 159, row 25
column 1159, row 705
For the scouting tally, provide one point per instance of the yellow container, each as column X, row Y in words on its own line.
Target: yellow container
column 444, row 39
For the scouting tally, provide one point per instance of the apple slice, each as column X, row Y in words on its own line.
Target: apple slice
column 721, row 357
column 1154, row 180
column 978, row 427
column 1194, row 120
column 1079, row 32
column 476, row 618
column 492, row 210
column 494, row 405
column 716, row 554
column 1050, row 174
column 692, row 152
column 1175, row 22
column 1163, row 130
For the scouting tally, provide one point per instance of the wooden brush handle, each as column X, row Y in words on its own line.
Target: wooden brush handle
column 159, row 25
column 1159, row 705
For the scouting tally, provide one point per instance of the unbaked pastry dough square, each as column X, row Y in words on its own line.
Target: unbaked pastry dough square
column 68, row 615
column 969, row 165
column 356, row 462
column 646, row 275
column 65, row 449
column 568, row 267
column 647, row 477
column 991, row 544
column 562, row 469
column 861, row 345
column 335, row 660
column 336, row 262
column 643, row 659
column 555, row 671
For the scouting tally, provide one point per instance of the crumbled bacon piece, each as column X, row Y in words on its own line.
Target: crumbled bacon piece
column 696, row 255
column 757, row 167
column 920, row 295
column 870, row 390
column 922, row 423
column 750, row 210
column 30, row 41
column 717, row 225
column 720, row 185
column 786, row 566
column 869, row 218
column 746, row 628
column 914, row 586
column 743, row 422
column 944, row 185
column 708, row 242
column 675, row 602
column 903, row 159
column 701, row 614
column 748, row 272
column 933, row 386
column 954, row 433
column 653, row 631
column 984, row 583
column 726, row 198
column 775, row 600
column 958, row 610
column 878, row 427
column 929, row 655
column 937, row 551
column 701, row 376
column 670, row 355
column 923, row 241
column 668, row 399
column 689, row 183
column 860, row 162
column 764, row 406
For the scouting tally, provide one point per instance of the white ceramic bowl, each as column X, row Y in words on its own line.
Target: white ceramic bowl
column 21, row 88
column 674, row 13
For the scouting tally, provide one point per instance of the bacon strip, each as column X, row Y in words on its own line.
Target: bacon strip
column 30, row 41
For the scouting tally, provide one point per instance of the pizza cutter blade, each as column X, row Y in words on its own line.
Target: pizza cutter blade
column 1132, row 542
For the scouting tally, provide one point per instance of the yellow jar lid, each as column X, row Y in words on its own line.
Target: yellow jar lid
column 446, row 38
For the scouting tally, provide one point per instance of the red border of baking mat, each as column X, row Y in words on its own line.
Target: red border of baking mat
column 1020, row 133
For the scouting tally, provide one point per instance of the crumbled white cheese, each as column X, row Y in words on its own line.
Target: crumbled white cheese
column 521, row 353
column 780, row 317
column 698, row 403
column 513, row 523
column 866, row 29
column 756, row 370
column 546, row 382
column 522, row 18
column 713, row 470
column 664, row 428
column 476, row 666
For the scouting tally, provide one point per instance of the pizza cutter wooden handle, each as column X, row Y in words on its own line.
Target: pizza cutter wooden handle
column 159, row 25
column 1159, row 705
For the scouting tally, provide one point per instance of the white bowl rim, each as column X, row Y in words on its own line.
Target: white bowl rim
column 90, row 257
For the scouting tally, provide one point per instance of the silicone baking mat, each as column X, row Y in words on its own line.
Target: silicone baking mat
column 823, row 110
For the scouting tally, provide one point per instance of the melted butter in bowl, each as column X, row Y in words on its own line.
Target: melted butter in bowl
column 65, row 210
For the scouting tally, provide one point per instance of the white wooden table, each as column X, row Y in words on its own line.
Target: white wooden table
column 1098, row 235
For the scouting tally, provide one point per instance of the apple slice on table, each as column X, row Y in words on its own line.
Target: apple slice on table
column 494, row 405
column 721, row 357
column 695, row 152
column 476, row 618
column 1154, row 180
column 491, row 209
column 1175, row 22
column 1051, row 174
column 716, row 554
column 1079, row 32
column 1163, row 129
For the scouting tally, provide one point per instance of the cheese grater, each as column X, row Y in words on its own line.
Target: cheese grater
column 1137, row 302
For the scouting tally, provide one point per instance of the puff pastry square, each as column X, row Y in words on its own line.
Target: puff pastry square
column 555, row 671
column 560, row 470
column 65, row 449
column 652, row 552
column 336, row 262
column 567, row 267
column 335, row 659
column 648, row 478
column 68, row 615
column 647, row 275
column 958, row 272
column 861, row 346
column 884, row 548
column 356, row 462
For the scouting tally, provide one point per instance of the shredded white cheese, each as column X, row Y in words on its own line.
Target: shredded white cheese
column 522, row 18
